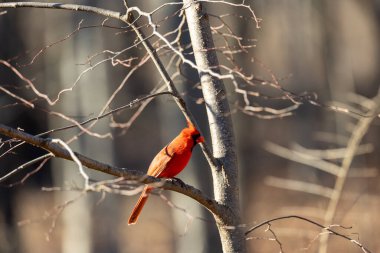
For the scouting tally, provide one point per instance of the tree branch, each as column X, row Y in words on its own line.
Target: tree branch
column 128, row 19
column 171, row 87
column 357, row 135
column 58, row 151
column 62, row 6
column 267, row 222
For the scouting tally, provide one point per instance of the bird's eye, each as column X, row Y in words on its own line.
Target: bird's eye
column 195, row 137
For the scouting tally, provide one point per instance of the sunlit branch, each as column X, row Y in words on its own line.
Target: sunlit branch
column 328, row 229
column 127, row 174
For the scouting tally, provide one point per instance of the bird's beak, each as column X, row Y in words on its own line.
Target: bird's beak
column 200, row 139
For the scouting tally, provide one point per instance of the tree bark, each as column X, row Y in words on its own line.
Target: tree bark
column 225, row 178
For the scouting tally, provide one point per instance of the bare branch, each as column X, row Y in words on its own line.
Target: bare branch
column 331, row 154
column 53, row 214
column 127, row 174
column 75, row 159
column 62, row 6
column 300, row 157
column 328, row 229
column 301, row 186
column 356, row 137
column 25, row 165
column 132, row 104
column 22, row 100
column 168, row 81
column 127, row 18
column 29, row 174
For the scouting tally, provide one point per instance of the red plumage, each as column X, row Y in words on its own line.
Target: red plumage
column 169, row 162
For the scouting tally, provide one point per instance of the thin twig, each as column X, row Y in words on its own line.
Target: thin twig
column 25, row 165
column 330, row 231
column 39, row 167
column 22, row 100
column 62, row 6
column 127, row 106
column 169, row 82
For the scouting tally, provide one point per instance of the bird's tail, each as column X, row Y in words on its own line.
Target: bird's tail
column 139, row 206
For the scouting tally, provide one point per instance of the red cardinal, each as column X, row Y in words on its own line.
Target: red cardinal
column 169, row 162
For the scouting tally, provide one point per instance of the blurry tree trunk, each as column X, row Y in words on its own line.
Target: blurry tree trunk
column 76, row 223
column 225, row 179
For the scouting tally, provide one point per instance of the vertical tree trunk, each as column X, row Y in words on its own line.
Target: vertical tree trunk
column 76, row 223
column 225, row 179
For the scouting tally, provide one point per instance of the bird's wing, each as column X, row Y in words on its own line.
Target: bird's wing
column 160, row 162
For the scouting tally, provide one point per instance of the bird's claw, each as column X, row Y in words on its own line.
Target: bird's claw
column 176, row 180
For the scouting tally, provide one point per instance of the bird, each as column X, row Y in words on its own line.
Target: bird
column 169, row 162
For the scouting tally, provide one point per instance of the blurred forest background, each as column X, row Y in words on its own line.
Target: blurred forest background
column 327, row 47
